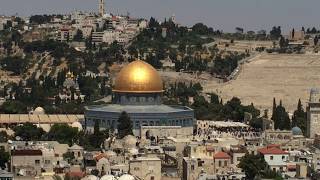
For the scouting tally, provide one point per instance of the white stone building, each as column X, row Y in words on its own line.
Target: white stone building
column 275, row 157
column 146, row 168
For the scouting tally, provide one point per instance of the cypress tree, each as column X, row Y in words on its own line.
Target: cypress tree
column 299, row 117
column 274, row 106
column 281, row 118
column 124, row 125
column 96, row 128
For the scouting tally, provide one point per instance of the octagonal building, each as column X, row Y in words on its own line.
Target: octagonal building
column 138, row 91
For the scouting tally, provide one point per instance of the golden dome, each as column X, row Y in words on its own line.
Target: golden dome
column 138, row 77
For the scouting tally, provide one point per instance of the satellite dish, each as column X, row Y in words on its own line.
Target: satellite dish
column 18, row 138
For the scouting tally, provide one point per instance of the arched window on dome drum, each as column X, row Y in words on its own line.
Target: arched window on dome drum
column 137, row 124
column 142, row 99
column 132, row 99
column 150, row 99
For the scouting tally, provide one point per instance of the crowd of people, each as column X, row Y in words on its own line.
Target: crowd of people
column 237, row 132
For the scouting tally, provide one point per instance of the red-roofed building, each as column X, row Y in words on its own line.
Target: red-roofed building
column 99, row 156
column 222, row 162
column 271, row 150
column 275, row 157
column 75, row 174
column 221, row 155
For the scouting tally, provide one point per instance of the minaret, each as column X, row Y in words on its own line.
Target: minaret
column 101, row 7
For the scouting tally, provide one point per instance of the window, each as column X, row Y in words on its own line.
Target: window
column 152, row 178
column 137, row 124
column 220, row 163
column 192, row 167
column 271, row 157
column 37, row 161
column 79, row 154
column 136, row 168
column 225, row 163
column 200, row 163
column 47, row 161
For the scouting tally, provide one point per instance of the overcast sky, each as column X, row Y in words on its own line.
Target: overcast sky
column 219, row 14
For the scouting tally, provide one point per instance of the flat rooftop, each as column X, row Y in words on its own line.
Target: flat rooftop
column 42, row 118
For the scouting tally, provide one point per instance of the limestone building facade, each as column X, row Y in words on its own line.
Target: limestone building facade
column 313, row 113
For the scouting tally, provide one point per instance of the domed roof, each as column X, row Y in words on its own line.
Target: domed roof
column 39, row 110
column 126, row 177
column 138, row 77
column 45, row 127
column 90, row 177
column 130, row 141
column 296, row 131
column 107, row 177
column 77, row 125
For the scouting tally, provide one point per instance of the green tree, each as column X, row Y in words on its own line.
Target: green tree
column 62, row 133
column 3, row 137
column 274, row 106
column 252, row 165
column 29, row 132
column 17, row 65
column 4, row 158
column 299, row 118
column 98, row 137
column 283, row 43
column 316, row 40
column 124, row 125
column 79, row 36
column 68, row 156
column 281, row 118
column 214, row 98
column 275, row 33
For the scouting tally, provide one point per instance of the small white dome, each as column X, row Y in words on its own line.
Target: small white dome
column 126, row 177
column 45, row 127
column 130, row 141
column 77, row 125
column 39, row 110
column 107, row 177
column 133, row 151
column 296, row 131
column 90, row 177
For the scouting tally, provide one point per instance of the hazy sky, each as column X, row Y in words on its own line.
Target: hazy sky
column 220, row 14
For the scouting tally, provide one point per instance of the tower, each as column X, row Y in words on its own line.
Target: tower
column 101, row 7
column 313, row 113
